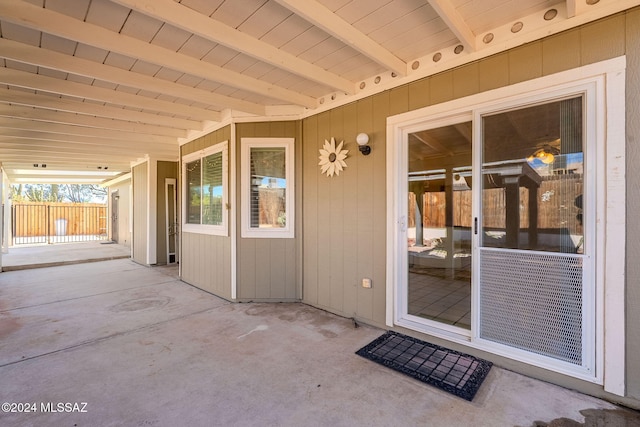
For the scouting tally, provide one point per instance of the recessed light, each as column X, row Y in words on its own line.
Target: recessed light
column 515, row 28
column 458, row 49
column 437, row 57
column 488, row 38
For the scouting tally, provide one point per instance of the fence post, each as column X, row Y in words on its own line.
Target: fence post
column 13, row 224
column 48, row 219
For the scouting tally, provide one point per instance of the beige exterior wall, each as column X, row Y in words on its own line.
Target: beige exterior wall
column 632, row 43
column 341, row 221
column 344, row 218
column 205, row 260
column 165, row 170
column 139, row 177
column 269, row 269
column 124, row 209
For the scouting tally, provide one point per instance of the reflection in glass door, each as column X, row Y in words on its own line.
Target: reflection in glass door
column 439, row 225
column 532, row 253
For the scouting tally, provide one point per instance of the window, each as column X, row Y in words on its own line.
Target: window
column 205, row 190
column 267, row 187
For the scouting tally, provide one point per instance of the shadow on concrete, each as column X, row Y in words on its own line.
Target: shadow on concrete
column 597, row 418
column 44, row 255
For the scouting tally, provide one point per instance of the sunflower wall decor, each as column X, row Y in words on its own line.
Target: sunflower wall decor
column 332, row 158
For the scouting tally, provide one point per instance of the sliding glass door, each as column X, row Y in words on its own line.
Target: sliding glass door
column 499, row 205
column 532, row 255
column 439, row 225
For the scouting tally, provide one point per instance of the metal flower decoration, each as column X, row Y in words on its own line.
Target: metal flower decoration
column 332, row 158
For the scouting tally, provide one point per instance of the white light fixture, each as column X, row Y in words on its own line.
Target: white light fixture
column 363, row 139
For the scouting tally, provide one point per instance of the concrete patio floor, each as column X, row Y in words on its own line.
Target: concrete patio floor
column 43, row 255
column 134, row 346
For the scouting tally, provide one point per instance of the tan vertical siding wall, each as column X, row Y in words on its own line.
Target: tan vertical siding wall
column 632, row 39
column 165, row 170
column 344, row 217
column 269, row 269
column 124, row 209
column 140, row 215
column 206, row 259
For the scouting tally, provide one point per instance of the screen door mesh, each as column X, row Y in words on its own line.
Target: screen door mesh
column 533, row 302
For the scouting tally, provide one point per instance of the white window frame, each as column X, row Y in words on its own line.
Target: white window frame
column 247, row 231
column 607, row 98
column 216, row 230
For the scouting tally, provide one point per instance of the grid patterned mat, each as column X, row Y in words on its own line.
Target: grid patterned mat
column 451, row 371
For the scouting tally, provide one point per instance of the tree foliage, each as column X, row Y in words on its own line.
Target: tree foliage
column 75, row 193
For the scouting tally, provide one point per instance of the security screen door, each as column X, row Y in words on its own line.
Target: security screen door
column 532, row 255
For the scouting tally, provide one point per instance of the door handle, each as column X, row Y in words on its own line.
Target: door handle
column 403, row 223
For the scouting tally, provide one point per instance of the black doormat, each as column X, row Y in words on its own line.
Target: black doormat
column 451, row 371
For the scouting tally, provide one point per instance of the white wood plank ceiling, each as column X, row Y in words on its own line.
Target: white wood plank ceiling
column 89, row 86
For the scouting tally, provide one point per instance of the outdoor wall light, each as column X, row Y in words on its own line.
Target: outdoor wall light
column 363, row 140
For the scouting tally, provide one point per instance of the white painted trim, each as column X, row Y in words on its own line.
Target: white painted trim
column 392, row 224
column 179, row 230
column 504, row 40
column 214, row 230
column 116, row 180
column 272, row 233
column 606, row 80
column 152, row 214
column 615, row 243
column 167, row 183
column 139, row 161
column 233, row 211
column 3, row 224
column 131, row 214
column 511, row 93
column 208, row 128
column 536, row 28
column 6, row 226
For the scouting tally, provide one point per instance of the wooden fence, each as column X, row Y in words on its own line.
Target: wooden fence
column 556, row 206
column 34, row 222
